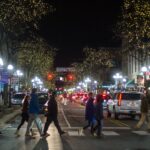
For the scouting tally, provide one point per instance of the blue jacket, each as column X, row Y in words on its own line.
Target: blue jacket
column 34, row 104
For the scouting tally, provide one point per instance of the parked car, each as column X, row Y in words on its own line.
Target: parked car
column 17, row 98
column 127, row 103
column 42, row 98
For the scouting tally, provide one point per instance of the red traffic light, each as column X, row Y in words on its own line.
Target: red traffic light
column 50, row 76
column 70, row 77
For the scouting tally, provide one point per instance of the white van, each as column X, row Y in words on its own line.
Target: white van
column 127, row 103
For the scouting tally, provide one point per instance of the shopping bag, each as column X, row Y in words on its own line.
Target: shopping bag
column 39, row 124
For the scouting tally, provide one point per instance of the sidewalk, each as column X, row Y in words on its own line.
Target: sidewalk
column 7, row 114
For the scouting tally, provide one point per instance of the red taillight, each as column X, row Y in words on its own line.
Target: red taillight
column 103, row 96
column 119, row 99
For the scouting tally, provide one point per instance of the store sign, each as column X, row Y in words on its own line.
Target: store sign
column 65, row 69
column 147, row 73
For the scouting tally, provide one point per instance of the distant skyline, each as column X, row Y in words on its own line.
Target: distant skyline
column 75, row 25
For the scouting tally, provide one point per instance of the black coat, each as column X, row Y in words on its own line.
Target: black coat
column 89, row 110
column 52, row 107
column 99, row 110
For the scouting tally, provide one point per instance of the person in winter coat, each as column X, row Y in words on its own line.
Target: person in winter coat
column 89, row 112
column 52, row 116
column 99, row 115
column 144, row 112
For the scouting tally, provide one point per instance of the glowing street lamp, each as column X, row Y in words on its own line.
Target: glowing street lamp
column 10, row 68
column 1, row 62
column 117, row 78
column 87, row 81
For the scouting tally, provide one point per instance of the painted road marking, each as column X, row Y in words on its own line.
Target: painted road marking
column 117, row 122
column 141, row 132
column 65, row 118
column 104, row 128
column 73, row 116
column 75, row 133
column 110, row 133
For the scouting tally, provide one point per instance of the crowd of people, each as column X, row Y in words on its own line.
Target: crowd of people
column 30, row 111
column 93, row 114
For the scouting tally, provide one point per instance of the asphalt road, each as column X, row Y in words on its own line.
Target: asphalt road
column 118, row 134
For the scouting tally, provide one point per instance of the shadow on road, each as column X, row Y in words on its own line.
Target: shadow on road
column 41, row 145
column 66, row 144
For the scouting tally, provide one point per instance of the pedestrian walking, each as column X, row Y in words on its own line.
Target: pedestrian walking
column 144, row 112
column 99, row 115
column 25, row 114
column 33, row 113
column 65, row 98
column 52, row 116
column 89, row 112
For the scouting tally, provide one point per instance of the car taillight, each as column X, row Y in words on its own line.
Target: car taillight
column 119, row 100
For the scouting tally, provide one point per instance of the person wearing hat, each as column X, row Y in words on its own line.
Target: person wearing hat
column 52, row 116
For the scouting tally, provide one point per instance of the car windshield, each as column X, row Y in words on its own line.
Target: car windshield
column 19, row 96
column 43, row 97
column 131, row 96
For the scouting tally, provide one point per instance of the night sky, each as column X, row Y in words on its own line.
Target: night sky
column 77, row 24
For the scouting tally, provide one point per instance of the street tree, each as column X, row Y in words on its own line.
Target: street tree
column 96, row 63
column 134, row 28
column 19, row 19
column 35, row 58
column 79, row 71
column 21, row 14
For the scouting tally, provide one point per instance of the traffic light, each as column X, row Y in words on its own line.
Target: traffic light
column 70, row 77
column 50, row 76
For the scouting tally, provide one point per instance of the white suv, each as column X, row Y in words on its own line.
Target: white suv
column 128, row 103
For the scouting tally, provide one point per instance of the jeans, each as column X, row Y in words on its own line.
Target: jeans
column 49, row 121
column 32, row 118
column 90, row 124
column 98, row 127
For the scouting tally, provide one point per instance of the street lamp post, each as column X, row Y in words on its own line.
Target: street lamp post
column 87, row 81
column 1, row 69
column 117, row 78
column 10, row 68
column 144, row 70
column 95, row 83
column 19, row 74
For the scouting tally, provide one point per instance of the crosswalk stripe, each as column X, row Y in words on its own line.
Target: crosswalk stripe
column 79, row 132
column 104, row 128
column 75, row 133
column 110, row 133
column 141, row 132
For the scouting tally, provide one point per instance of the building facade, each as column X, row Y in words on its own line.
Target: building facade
column 132, row 64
